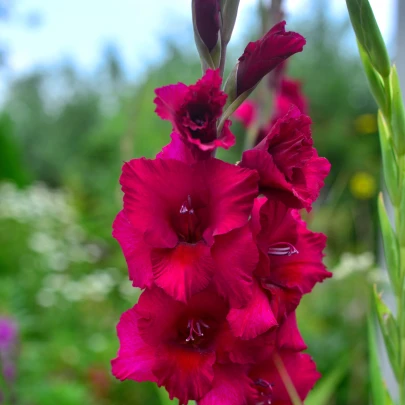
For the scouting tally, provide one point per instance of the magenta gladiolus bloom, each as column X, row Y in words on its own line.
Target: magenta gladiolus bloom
column 184, row 226
column 262, row 56
column 179, row 345
column 289, row 267
column 194, row 111
column 289, row 167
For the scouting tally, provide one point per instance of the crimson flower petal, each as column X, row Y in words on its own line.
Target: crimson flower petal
column 283, row 300
column 300, row 368
column 186, row 374
column 231, row 386
column 246, row 113
column 135, row 358
column 304, row 269
column 255, row 318
column 169, row 99
column 232, row 193
column 183, row 270
column 177, row 149
column 158, row 314
column 149, row 198
column 289, row 336
column 231, row 349
column 235, row 255
column 136, row 251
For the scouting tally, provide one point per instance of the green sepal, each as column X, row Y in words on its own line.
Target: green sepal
column 401, row 225
column 389, row 330
column 208, row 60
column 374, row 79
column 229, row 14
column 232, row 102
column 391, row 248
column 368, row 34
column 397, row 113
column 389, row 160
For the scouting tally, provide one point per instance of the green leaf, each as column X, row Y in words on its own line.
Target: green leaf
column 374, row 79
column 389, row 160
column 368, row 34
column 389, row 330
column 391, row 248
column 401, row 225
column 323, row 392
column 378, row 394
column 397, row 113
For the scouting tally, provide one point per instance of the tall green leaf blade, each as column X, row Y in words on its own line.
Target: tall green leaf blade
column 327, row 386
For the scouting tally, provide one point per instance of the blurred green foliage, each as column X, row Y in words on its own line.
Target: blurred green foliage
column 63, row 137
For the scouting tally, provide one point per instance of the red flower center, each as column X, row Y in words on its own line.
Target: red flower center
column 196, row 332
column 188, row 223
column 195, row 328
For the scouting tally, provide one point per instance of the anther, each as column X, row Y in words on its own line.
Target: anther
column 282, row 249
column 195, row 328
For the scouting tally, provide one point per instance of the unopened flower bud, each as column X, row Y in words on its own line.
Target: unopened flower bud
column 368, row 34
column 230, row 11
column 262, row 56
column 397, row 113
column 207, row 23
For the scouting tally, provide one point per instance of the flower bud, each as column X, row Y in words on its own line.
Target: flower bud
column 229, row 13
column 368, row 34
column 389, row 160
column 262, row 56
column 207, row 23
column 397, row 113
column 373, row 78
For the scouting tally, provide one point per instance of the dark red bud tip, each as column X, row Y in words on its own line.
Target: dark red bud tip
column 207, row 15
column 262, row 56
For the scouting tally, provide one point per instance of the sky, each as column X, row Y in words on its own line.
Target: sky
column 78, row 30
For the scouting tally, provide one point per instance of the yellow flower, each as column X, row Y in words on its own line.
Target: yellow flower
column 363, row 185
column 366, row 124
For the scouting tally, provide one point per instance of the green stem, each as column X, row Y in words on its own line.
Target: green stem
column 399, row 217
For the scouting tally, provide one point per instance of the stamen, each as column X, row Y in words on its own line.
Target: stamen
column 188, row 222
column 186, row 206
column 265, row 390
column 195, row 328
column 282, row 249
column 262, row 383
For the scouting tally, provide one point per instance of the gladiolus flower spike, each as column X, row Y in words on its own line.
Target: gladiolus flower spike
column 220, row 250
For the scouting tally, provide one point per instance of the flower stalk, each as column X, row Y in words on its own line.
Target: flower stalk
column 384, row 85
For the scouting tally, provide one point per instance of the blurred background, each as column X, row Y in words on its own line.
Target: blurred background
column 76, row 100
